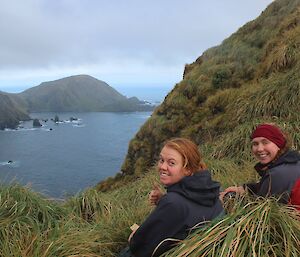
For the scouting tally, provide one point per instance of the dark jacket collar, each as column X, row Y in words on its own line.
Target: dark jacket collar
column 290, row 156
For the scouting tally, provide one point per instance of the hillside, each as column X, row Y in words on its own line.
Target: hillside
column 80, row 93
column 252, row 77
column 10, row 112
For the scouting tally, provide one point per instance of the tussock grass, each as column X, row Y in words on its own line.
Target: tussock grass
column 112, row 213
column 256, row 228
column 277, row 97
column 231, row 173
column 97, row 224
column 236, row 144
column 20, row 205
column 89, row 224
column 31, row 225
column 66, row 238
column 90, row 205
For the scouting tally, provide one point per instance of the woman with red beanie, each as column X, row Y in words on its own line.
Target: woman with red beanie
column 278, row 166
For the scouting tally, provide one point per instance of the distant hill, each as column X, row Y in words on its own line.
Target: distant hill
column 252, row 77
column 80, row 93
column 10, row 112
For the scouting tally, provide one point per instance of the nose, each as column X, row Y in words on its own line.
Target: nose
column 163, row 166
column 259, row 147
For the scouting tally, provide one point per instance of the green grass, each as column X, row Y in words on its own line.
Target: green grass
column 253, row 228
column 88, row 224
column 94, row 223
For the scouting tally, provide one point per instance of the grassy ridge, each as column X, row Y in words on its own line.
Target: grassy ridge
column 252, row 77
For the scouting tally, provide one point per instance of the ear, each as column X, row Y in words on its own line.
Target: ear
column 187, row 172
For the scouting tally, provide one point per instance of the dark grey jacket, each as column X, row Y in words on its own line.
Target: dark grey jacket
column 278, row 177
column 192, row 200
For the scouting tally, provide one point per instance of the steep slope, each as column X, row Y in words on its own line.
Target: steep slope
column 78, row 93
column 10, row 113
column 252, row 77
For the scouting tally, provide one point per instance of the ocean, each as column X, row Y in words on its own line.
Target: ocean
column 60, row 160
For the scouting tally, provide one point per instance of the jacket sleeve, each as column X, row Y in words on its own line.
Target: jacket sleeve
column 252, row 188
column 164, row 222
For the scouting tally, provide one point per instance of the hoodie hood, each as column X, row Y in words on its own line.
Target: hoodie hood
column 199, row 188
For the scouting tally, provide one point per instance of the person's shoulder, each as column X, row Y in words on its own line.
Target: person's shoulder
column 173, row 198
column 173, row 203
column 286, row 170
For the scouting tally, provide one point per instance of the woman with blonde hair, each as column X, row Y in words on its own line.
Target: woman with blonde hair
column 191, row 198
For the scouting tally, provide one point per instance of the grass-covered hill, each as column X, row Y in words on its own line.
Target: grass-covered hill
column 81, row 93
column 253, row 76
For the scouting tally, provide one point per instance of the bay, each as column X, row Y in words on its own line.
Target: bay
column 63, row 159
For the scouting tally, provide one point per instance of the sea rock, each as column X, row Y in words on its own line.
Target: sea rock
column 36, row 123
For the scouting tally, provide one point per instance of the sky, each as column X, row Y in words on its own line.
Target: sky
column 128, row 44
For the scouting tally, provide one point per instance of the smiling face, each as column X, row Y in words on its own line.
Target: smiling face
column 170, row 166
column 264, row 150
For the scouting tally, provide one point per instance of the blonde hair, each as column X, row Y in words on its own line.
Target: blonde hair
column 192, row 158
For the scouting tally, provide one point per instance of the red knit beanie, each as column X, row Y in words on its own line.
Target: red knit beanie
column 270, row 132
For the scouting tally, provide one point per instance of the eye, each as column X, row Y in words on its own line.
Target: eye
column 160, row 160
column 172, row 163
column 265, row 142
column 254, row 143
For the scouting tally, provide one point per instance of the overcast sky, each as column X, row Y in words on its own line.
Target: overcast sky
column 124, row 43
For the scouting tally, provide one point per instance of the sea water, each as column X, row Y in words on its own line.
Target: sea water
column 64, row 158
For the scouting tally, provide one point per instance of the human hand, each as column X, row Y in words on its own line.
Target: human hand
column 235, row 189
column 155, row 195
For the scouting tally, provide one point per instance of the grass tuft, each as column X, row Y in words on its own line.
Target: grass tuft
column 258, row 228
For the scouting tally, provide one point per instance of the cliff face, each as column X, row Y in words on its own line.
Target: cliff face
column 10, row 113
column 252, row 77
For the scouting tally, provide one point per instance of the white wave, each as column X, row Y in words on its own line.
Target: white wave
column 7, row 129
column 19, row 129
column 10, row 163
column 47, row 129
column 27, row 129
column 78, row 125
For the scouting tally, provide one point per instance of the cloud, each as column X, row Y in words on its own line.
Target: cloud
column 118, row 38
